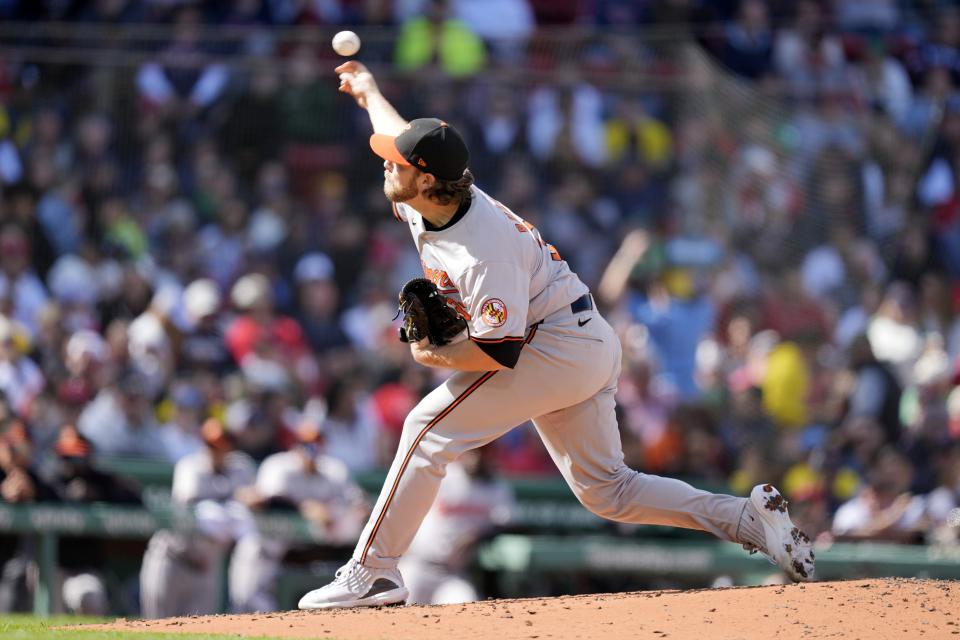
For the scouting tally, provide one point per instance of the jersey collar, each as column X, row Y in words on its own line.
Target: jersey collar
column 457, row 217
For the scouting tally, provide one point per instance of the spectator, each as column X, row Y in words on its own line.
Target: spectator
column 268, row 347
column 253, row 131
column 180, row 570
column 438, row 38
column 671, row 308
column 202, row 345
column 748, row 43
column 943, row 503
column 313, row 484
column 893, row 332
column 506, row 24
column 20, row 378
column 876, row 391
column 633, row 133
column 806, row 54
column 886, row 81
column 884, row 510
column 565, row 123
column 318, row 300
column 82, row 559
column 120, row 419
column 19, row 482
column 350, row 430
column 21, row 291
column 182, row 80
column 181, row 435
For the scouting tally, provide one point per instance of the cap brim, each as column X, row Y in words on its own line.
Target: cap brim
column 386, row 147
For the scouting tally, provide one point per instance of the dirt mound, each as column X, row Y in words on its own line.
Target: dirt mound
column 875, row 609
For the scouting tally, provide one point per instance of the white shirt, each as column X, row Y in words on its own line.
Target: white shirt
column 194, row 477
column 282, row 475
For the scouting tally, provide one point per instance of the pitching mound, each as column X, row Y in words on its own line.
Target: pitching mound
column 876, row 609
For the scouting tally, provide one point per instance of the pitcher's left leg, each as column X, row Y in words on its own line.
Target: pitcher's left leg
column 584, row 442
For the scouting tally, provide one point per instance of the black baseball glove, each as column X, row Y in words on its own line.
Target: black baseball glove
column 426, row 314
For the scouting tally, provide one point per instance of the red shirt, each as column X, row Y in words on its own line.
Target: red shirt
column 282, row 334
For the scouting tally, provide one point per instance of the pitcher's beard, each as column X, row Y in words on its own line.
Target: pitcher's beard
column 399, row 193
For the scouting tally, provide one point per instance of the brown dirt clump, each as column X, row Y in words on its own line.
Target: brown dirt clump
column 894, row 608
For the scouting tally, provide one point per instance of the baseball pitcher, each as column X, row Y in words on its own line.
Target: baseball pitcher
column 526, row 343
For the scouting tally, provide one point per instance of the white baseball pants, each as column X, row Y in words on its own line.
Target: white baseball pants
column 565, row 381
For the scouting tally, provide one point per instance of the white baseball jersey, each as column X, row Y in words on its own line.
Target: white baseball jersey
column 282, row 475
column 194, row 477
column 496, row 270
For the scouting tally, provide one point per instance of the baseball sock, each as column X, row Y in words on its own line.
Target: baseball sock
column 750, row 530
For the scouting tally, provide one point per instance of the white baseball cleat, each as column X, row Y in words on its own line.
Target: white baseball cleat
column 358, row 586
column 787, row 546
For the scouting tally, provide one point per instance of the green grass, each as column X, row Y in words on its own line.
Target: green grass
column 26, row 627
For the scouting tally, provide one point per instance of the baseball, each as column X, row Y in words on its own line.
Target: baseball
column 346, row 43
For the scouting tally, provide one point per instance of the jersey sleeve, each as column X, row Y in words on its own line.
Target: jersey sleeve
column 496, row 296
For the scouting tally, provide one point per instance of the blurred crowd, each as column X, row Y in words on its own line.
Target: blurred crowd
column 762, row 195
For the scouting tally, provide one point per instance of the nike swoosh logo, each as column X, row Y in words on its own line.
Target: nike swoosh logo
column 580, row 323
column 382, row 585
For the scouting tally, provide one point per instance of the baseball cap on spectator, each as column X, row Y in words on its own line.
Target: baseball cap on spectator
column 250, row 290
column 201, row 298
column 313, row 266
column 429, row 144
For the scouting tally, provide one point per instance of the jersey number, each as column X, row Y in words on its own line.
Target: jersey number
column 525, row 227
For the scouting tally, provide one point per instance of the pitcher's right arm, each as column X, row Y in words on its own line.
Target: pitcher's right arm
column 357, row 81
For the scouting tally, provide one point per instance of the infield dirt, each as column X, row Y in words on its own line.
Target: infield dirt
column 879, row 609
